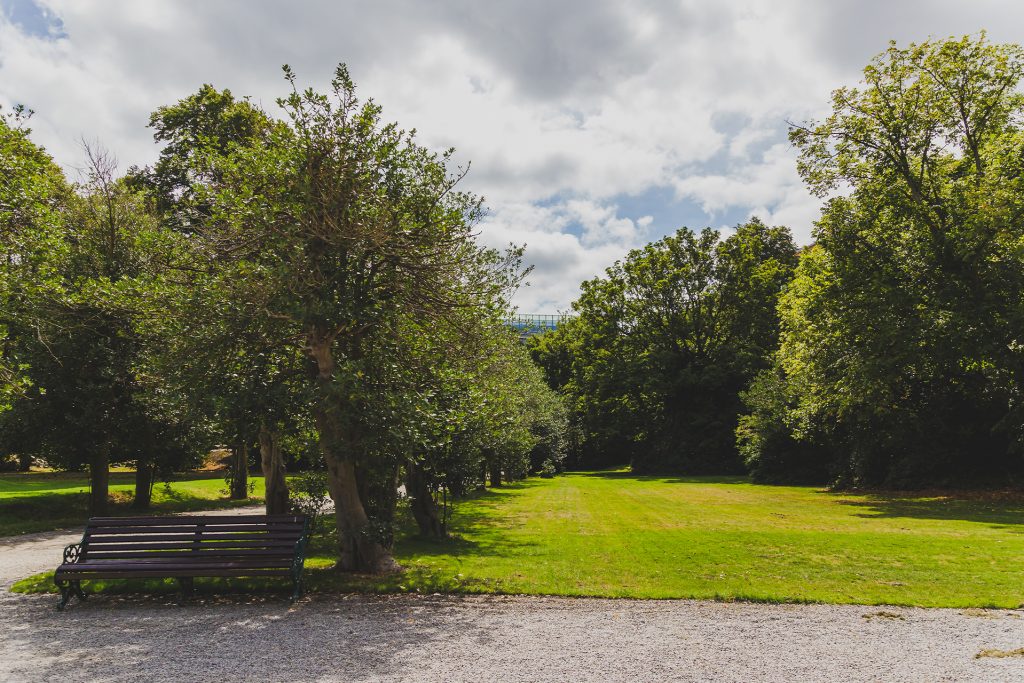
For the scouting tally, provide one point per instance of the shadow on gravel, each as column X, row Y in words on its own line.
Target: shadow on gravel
column 350, row 638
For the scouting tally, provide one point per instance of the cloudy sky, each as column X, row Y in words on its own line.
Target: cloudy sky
column 593, row 126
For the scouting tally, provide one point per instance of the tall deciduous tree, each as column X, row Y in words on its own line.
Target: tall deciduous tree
column 355, row 236
column 901, row 349
column 217, row 346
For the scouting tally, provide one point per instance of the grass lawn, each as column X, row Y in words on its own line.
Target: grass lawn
column 40, row 501
column 613, row 534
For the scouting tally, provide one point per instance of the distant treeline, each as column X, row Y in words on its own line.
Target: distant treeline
column 888, row 353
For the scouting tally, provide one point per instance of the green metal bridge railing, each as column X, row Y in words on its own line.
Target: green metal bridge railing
column 534, row 323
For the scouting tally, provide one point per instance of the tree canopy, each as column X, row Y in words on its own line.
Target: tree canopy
column 663, row 344
column 900, row 352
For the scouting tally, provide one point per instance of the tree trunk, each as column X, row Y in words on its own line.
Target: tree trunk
column 24, row 462
column 421, row 501
column 99, row 481
column 272, row 463
column 240, row 472
column 358, row 547
column 143, row 485
column 494, row 466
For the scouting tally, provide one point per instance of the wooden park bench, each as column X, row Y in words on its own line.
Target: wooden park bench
column 185, row 548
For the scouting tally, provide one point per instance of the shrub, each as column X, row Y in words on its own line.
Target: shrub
column 309, row 496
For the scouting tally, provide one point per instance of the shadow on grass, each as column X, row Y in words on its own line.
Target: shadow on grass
column 620, row 474
column 48, row 511
column 477, row 532
column 1001, row 509
column 476, row 527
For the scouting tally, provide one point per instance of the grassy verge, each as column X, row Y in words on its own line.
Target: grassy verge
column 41, row 501
column 617, row 535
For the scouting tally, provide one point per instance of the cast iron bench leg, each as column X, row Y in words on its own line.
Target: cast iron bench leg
column 185, row 588
column 65, row 595
column 67, row 589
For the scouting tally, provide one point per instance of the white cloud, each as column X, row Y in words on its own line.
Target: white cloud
column 565, row 109
column 771, row 188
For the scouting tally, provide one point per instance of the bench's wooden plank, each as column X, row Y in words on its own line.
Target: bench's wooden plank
column 197, row 571
column 195, row 519
column 177, row 563
column 243, row 552
column 191, row 529
column 178, row 545
column 195, row 538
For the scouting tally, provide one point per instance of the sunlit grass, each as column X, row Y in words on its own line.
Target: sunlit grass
column 617, row 535
column 40, row 501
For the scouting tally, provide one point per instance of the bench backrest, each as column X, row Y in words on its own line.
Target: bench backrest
column 215, row 538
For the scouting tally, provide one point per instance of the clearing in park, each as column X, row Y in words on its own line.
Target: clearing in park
column 614, row 534
column 618, row 535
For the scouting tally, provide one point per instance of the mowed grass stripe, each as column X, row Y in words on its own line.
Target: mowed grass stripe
column 615, row 535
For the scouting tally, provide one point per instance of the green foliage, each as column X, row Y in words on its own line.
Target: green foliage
column 33, row 194
column 78, row 260
column 664, row 343
column 195, row 131
column 765, row 435
column 900, row 345
column 309, row 496
column 334, row 285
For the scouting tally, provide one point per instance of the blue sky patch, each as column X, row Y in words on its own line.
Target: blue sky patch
column 33, row 19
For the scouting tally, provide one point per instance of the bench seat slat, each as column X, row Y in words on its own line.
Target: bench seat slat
column 95, row 554
column 191, row 529
column 258, row 536
column 179, row 545
column 160, row 565
column 193, row 571
column 184, row 555
column 193, row 519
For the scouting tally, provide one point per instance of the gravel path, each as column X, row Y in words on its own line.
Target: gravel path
column 436, row 638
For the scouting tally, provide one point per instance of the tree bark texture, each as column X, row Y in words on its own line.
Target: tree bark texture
column 421, row 501
column 99, row 481
column 143, row 485
column 240, row 472
column 494, row 467
column 273, row 471
column 358, row 548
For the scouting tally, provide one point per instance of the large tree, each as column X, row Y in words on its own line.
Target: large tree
column 901, row 348
column 355, row 240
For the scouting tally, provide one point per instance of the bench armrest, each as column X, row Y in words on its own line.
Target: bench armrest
column 72, row 553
